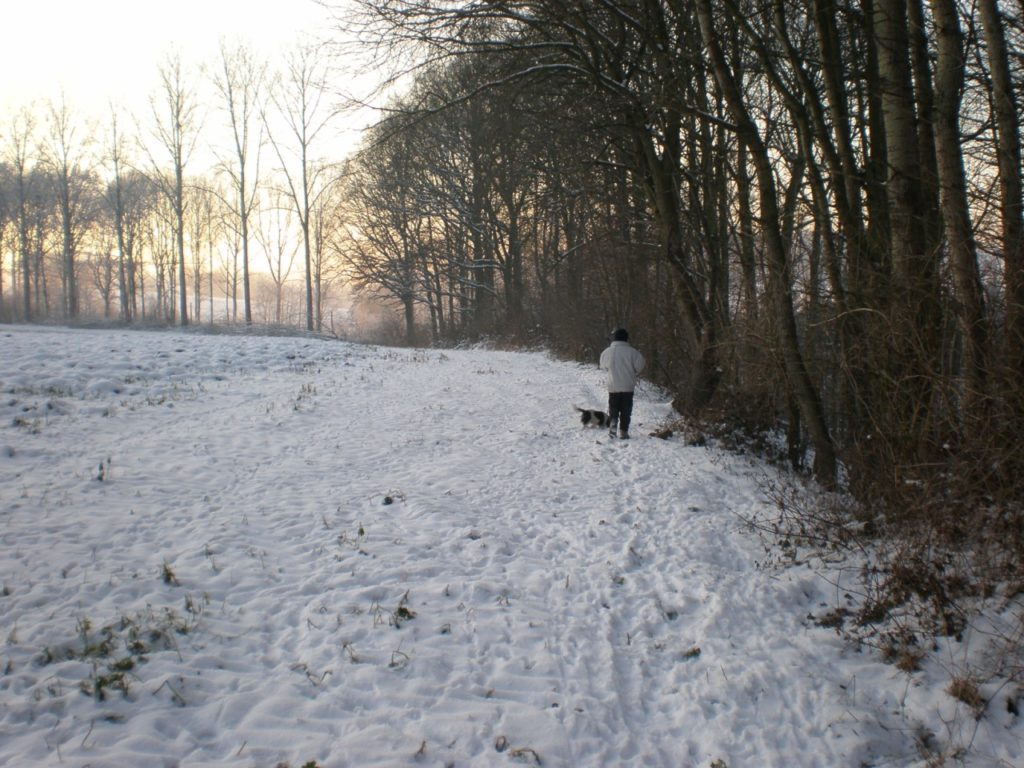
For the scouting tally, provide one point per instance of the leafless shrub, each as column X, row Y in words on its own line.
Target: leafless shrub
column 966, row 689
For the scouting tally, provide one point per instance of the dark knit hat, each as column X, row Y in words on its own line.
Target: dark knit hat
column 620, row 334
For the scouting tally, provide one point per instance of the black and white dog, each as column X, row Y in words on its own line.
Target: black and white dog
column 592, row 418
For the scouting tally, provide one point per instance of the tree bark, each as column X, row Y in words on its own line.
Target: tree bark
column 117, row 206
column 949, row 80
column 914, row 314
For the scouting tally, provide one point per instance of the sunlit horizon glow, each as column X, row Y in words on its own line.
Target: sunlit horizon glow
column 94, row 54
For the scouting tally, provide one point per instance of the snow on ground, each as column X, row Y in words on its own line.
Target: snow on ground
column 246, row 551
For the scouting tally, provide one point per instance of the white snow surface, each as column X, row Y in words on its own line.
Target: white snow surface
column 363, row 556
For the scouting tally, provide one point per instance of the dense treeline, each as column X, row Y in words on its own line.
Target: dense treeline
column 808, row 213
column 121, row 261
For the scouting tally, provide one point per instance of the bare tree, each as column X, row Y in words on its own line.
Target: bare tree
column 133, row 198
column 229, row 250
column 115, row 199
column 325, row 228
column 949, row 84
column 384, row 248
column 915, row 289
column 201, row 221
column 162, row 245
column 6, row 220
column 130, row 199
column 20, row 139
column 176, row 128
column 276, row 235
column 300, row 100
column 1011, row 197
column 103, row 268
column 239, row 80
column 66, row 156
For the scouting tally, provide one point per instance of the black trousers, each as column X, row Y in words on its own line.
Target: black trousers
column 620, row 410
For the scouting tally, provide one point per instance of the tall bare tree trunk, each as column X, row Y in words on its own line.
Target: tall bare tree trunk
column 846, row 177
column 68, row 177
column 1008, row 147
column 745, row 214
column 116, row 193
column 177, row 130
column 21, row 137
column 179, row 227
column 26, row 254
column 914, row 313
column 949, row 79
column 870, row 280
column 300, row 101
column 925, row 101
column 240, row 82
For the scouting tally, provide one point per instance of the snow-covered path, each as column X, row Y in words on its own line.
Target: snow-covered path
column 370, row 557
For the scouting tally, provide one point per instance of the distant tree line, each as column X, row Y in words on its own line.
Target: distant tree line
column 160, row 217
column 808, row 213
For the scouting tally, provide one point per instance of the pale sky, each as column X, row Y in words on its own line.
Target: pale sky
column 95, row 51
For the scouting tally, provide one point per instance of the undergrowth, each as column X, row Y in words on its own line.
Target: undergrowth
column 902, row 588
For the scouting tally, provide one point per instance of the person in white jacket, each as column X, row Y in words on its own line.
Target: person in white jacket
column 623, row 364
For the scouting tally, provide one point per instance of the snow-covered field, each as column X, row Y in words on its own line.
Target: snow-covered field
column 246, row 551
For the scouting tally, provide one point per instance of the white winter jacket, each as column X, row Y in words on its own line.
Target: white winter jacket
column 623, row 364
